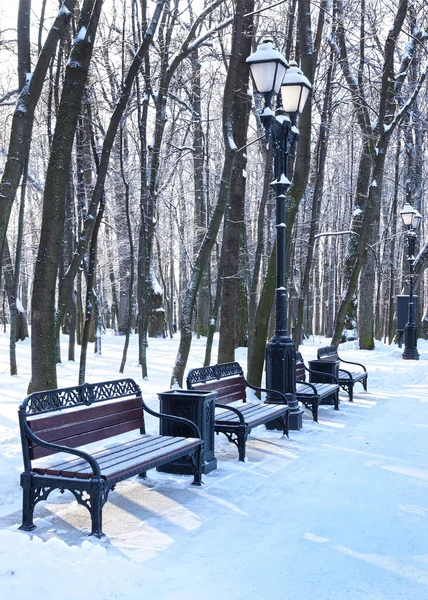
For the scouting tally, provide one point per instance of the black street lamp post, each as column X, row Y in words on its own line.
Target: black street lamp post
column 270, row 72
column 411, row 219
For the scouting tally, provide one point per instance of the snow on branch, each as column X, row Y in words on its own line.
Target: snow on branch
column 388, row 129
column 421, row 261
column 182, row 103
column 7, row 95
column 184, row 50
column 275, row 4
column 330, row 233
column 199, row 40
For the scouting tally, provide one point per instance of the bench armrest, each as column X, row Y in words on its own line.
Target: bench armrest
column 234, row 410
column 267, row 391
column 313, row 388
column 353, row 363
column 59, row 448
column 348, row 373
column 333, row 377
column 172, row 418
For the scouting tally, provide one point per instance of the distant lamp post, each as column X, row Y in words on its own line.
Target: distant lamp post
column 271, row 73
column 411, row 220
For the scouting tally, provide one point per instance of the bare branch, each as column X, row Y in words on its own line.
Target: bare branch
column 7, row 95
column 330, row 233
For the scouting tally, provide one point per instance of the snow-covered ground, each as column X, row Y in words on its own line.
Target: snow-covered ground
column 337, row 511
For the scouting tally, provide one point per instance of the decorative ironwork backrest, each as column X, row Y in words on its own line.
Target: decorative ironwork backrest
column 300, row 367
column 327, row 353
column 204, row 374
column 81, row 395
column 227, row 379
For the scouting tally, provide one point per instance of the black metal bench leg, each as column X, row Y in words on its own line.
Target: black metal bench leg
column 285, row 426
column 143, row 475
column 351, row 392
column 197, row 467
column 27, row 507
column 96, row 514
column 336, row 400
column 365, row 384
column 242, row 440
column 315, row 403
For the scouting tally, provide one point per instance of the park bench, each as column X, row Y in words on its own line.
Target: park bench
column 314, row 394
column 347, row 378
column 236, row 421
column 57, row 426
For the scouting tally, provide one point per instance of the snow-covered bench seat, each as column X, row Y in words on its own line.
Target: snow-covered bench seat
column 238, row 416
column 58, row 425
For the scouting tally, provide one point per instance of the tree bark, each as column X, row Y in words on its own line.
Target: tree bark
column 43, row 372
column 23, row 117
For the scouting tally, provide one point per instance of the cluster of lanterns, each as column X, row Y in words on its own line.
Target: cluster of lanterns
column 271, row 73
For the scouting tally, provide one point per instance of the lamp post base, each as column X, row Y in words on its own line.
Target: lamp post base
column 295, row 421
column 410, row 354
column 410, row 345
column 281, row 376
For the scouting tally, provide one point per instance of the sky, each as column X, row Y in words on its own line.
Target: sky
column 338, row 510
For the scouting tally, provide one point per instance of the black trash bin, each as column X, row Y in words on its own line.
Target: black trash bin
column 197, row 407
column 323, row 366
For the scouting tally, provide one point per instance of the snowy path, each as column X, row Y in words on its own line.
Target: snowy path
column 340, row 510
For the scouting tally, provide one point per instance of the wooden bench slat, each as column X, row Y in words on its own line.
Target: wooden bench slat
column 70, row 415
column 252, row 413
column 230, row 389
column 125, row 467
column 75, row 427
column 140, row 447
column 355, row 375
column 75, row 464
column 68, row 431
column 323, row 389
column 88, row 438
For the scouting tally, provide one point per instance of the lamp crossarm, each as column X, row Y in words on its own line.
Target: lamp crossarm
column 281, row 137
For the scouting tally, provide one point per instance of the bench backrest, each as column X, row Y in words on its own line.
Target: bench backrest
column 77, row 416
column 328, row 353
column 300, row 367
column 227, row 379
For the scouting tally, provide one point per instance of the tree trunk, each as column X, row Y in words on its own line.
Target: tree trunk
column 17, row 318
column 130, row 290
column 23, row 117
column 233, row 104
column 317, row 196
column 375, row 144
column 91, row 296
column 199, row 191
column 43, row 305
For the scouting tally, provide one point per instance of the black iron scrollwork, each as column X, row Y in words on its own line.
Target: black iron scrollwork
column 204, row 374
column 41, row 493
column 82, row 395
